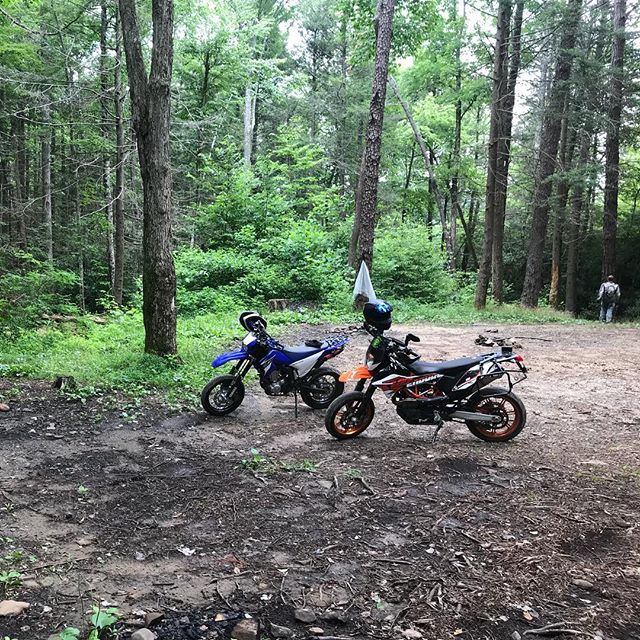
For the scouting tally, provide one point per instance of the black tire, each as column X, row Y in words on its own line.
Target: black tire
column 340, row 420
column 321, row 388
column 220, row 405
column 495, row 401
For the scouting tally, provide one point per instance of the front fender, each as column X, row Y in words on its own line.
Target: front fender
column 228, row 357
column 360, row 373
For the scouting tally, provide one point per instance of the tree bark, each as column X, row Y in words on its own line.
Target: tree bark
column 367, row 200
column 504, row 156
column 499, row 90
column 249, row 120
column 20, row 178
column 612, row 144
column 567, row 145
column 107, row 192
column 549, row 143
column 573, row 230
column 47, row 215
column 118, row 197
column 151, row 103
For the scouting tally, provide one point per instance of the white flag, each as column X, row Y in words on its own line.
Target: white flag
column 363, row 284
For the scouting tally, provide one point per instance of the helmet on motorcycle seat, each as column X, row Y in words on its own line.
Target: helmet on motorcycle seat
column 378, row 314
column 249, row 319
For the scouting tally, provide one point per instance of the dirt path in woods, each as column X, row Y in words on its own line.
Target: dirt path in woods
column 385, row 536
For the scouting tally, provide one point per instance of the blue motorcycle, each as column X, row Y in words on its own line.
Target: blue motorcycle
column 282, row 370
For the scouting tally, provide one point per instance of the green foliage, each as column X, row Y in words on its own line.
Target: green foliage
column 408, row 264
column 10, row 580
column 102, row 622
column 299, row 261
column 31, row 288
column 258, row 462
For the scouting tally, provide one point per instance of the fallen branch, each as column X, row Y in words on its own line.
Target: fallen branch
column 552, row 630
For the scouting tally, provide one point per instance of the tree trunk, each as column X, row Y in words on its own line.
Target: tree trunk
column 612, row 144
column 151, row 102
column 367, row 201
column 107, row 192
column 504, row 157
column 118, row 197
column 47, row 216
column 567, row 144
column 499, row 90
column 549, row 143
column 573, row 229
column 77, row 211
column 407, row 182
column 249, row 119
column 20, row 178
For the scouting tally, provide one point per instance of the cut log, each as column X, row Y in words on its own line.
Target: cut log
column 278, row 304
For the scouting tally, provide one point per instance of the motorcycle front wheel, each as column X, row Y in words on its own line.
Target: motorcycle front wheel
column 321, row 388
column 507, row 406
column 349, row 415
column 222, row 395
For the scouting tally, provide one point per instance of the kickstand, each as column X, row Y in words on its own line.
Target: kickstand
column 439, row 425
column 295, row 402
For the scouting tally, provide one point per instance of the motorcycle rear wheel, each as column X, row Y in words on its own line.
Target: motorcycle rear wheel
column 349, row 415
column 321, row 388
column 494, row 401
column 215, row 397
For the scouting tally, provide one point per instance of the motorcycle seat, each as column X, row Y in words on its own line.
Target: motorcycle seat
column 449, row 367
column 300, row 351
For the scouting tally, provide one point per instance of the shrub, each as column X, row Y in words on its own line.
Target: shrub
column 407, row 264
column 33, row 288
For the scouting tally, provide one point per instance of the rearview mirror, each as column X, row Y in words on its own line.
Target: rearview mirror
column 410, row 338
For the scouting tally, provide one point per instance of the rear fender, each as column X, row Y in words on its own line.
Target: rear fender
column 228, row 357
column 359, row 373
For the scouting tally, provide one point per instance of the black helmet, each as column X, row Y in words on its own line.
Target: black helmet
column 249, row 320
column 378, row 314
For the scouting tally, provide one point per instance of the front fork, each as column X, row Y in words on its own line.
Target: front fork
column 368, row 394
column 240, row 371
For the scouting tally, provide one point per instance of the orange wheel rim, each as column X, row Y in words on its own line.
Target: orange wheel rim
column 346, row 423
column 506, row 409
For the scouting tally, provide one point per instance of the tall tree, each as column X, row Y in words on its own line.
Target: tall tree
column 151, row 105
column 118, row 196
column 504, row 154
column 498, row 95
column 367, row 196
column 546, row 165
column 612, row 144
column 565, row 160
column 107, row 192
column 47, row 213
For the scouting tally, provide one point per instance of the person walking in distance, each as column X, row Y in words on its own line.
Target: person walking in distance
column 608, row 297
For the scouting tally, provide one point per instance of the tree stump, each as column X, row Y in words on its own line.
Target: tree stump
column 278, row 304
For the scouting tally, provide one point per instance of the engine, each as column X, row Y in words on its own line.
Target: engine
column 418, row 411
column 278, row 382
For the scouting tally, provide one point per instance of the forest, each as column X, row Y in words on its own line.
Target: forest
column 470, row 153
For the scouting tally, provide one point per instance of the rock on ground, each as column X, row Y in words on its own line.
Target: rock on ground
column 246, row 630
column 12, row 607
column 143, row 634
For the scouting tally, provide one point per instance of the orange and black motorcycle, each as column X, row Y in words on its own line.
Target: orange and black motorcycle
column 430, row 392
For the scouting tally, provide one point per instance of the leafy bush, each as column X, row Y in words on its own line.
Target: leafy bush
column 31, row 288
column 298, row 261
column 407, row 264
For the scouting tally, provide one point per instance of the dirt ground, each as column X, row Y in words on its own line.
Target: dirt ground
column 384, row 536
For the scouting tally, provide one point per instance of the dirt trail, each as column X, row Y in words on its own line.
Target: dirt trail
column 387, row 534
